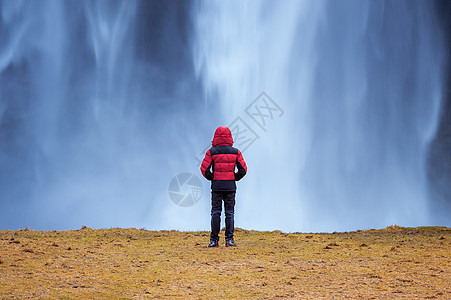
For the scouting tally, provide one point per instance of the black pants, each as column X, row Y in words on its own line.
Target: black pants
column 216, row 208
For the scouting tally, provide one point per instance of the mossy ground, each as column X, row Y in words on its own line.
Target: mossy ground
column 394, row 262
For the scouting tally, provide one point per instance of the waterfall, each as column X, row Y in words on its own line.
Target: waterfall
column 90, row 112
column 360, row 83
column 103, row 104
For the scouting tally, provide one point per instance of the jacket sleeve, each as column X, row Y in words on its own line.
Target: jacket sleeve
column 205, row 166
column 241, row 165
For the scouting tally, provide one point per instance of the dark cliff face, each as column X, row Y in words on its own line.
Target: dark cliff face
column 439, row 160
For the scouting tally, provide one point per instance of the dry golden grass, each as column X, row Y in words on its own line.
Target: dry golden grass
column 394, row 262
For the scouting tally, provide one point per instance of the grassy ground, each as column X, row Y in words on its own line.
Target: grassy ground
column 129, row 263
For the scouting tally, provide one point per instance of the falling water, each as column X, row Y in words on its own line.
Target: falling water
column 360, row 83
column 102, row 103
column 92, row 112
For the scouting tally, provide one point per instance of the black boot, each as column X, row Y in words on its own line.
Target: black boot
column 230, row 243
column 213, row 243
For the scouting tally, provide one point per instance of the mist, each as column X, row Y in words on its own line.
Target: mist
column 103, row 103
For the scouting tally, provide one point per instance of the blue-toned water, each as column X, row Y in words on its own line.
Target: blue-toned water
column 102, row 103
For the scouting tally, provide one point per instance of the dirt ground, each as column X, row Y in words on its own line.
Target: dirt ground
column 115, row 263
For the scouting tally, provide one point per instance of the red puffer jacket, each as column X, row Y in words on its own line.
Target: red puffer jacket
column 222, row 159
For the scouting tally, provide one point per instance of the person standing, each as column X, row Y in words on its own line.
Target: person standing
column 219, row 166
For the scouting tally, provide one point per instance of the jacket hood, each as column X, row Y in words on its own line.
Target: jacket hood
column 222, row 137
